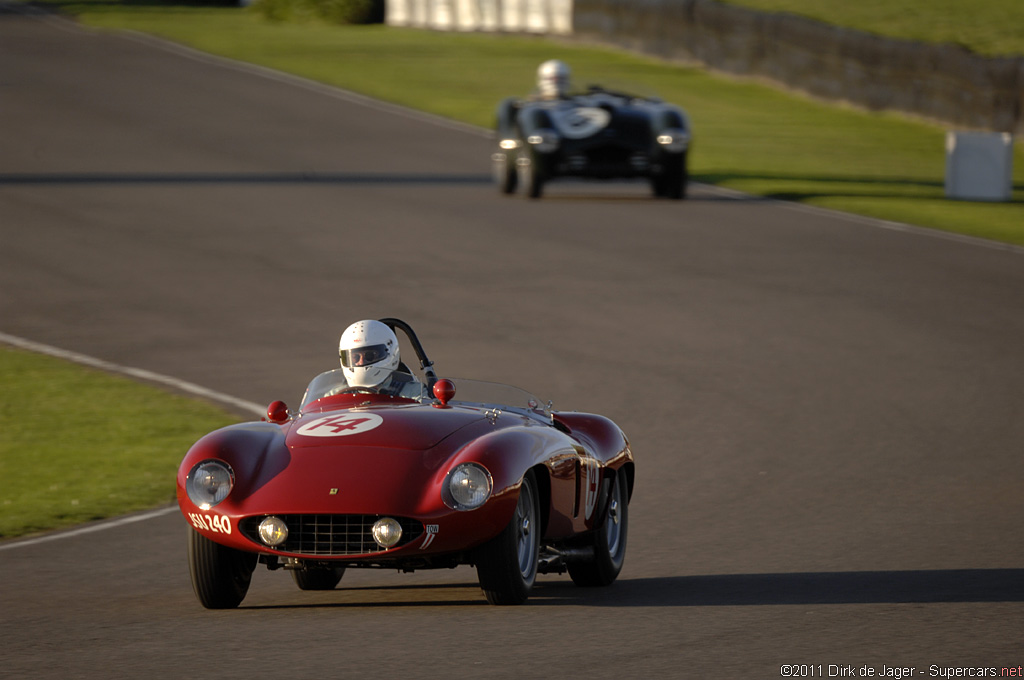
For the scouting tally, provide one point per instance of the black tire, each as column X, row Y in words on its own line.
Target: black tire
column 318, row 578
column 608, row 542
column 505, row 171
column 530, row 174
column 676, row 177
column 658, row 185
column 220, row 575
column 507, row 564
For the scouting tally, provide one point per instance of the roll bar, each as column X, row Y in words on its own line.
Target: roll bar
column 425, row 363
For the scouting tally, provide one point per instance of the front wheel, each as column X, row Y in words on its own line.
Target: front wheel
column 608, row 541
column 220, row 575
column 507, row 564
column 530, row 173
column 504, row 169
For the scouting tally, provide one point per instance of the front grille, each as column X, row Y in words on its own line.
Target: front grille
column 333, row 535
column 609, row 155
column 605, row 161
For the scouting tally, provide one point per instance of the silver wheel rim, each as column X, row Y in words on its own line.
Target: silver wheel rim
column 501, row 169
column 613, row 523
column 526, row 531
column 525, row 171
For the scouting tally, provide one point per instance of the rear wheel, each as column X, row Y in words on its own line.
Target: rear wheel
column 220, row 575
column 318, row 578
column 608, row 542
column 676, row 177
column 507, row 564
column 672, row 181
column 531, row 175
column 657, row 186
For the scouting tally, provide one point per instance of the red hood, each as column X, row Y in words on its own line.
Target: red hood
column 412, row 426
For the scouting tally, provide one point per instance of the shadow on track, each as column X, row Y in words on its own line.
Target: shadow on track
column 856, row 587
column 725, row 590
column 372, row 597
column 90, row 178
column 338, row 178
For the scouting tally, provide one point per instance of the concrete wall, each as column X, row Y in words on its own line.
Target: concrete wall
column 941, row 82
column 527, row 16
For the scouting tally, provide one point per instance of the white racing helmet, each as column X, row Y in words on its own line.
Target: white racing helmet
column 553, row 79
column 369, row 353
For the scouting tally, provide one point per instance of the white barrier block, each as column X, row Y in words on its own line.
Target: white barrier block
column 979, row 166
column 419, row 14
column 527, row 16
column 537, row 15
column 512, row 15
column 489, row 19
column 443, row 18
column 561, row 17
column 396, row 13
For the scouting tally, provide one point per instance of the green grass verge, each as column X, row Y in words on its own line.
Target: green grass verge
column 988, row 27
column 748, row 136
column 77, row 444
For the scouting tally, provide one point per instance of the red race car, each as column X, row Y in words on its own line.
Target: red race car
column 418, row 475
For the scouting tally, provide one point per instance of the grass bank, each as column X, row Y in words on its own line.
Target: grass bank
column 749, row 137
column 77, row 444
column 988, row 27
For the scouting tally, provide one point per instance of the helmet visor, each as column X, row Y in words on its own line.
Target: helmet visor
column 363, row 356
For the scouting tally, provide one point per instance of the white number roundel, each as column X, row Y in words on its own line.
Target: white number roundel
column 580, row 122
column 341, row 425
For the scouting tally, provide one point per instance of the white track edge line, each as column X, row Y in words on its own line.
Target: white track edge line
column 150, row 376
column 92, row 528
column 139, row 373
column 865, row 220
column 301, row 82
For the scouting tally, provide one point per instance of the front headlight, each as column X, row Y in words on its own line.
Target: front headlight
column 545, row 140
column 386, row 532
column 467, row 487
column 674, row 140
column 209, row 483
column 273, row 531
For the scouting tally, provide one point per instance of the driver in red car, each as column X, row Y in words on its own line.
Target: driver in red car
column 370, row 359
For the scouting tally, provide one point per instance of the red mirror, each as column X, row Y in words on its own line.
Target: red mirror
column 277, row 412
column 444, row 391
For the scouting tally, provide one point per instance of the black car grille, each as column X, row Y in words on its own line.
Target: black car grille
column 609, row 155
column 604, row 161
column 331, row 534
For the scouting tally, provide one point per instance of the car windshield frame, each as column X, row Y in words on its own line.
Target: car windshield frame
column 469, row 393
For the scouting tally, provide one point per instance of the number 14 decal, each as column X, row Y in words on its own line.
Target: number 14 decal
column 341, row 425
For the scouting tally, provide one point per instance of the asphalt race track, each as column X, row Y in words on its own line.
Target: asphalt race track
column 826, row 411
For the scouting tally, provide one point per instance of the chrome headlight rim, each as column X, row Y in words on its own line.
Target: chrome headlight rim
column 467, row 486
column 386, row 532
column 544, row 140
column 674, row 140
column 209, row 482
column 272, row 531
